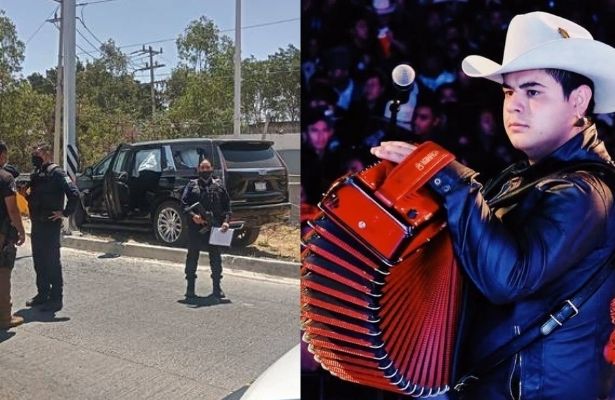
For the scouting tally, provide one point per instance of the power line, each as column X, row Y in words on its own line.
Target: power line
column 282, row 21
column 94, row 2
column 82, row 21
column 86, row 39
column 41, row 25
column 84, row 52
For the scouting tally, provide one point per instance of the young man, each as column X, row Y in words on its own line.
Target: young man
column 213, row 198
column 541, row 248
column 49, row 186
column 11, row 233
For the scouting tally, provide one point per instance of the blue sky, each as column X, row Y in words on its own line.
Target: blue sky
column 132, row 23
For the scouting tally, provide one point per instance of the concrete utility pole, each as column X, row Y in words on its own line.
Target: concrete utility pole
column 71, row 156
column 237, row 84
column 57, row 131
column 151, row 67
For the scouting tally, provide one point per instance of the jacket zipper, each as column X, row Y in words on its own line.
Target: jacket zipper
column 517, row 331
column 520, row 377
column 510, row 378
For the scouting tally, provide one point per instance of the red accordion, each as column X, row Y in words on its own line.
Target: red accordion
column 380, row 288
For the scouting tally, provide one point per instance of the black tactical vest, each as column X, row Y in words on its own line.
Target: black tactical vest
column 46, row 192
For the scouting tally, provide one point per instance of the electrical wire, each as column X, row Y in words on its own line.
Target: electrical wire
column 94, row 2
column 41, row 25
column 224, row 30
column 86, row 39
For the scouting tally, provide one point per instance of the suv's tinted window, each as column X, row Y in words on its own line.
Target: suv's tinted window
column 120, row 160
column 101, row 168
column 249, row 155
column 147, row 160
column 187, row 157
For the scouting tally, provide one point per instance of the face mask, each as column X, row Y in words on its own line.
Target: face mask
column 204, row 175
column 37, row 161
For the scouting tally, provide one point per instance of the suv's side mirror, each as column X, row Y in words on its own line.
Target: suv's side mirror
column 89, row 171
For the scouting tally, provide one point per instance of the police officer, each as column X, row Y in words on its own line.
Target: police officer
column 11, row 233
column 48, row 186
column 213, row 210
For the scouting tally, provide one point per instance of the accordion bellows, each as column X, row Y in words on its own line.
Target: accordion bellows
column 380, row 288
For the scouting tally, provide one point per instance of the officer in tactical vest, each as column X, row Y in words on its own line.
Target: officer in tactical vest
column 49, row 184
column 11, row 233
column 208, row 205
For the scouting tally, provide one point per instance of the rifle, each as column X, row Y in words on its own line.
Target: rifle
column 208, row 216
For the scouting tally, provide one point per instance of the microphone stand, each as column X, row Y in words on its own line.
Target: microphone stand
column 394, row 108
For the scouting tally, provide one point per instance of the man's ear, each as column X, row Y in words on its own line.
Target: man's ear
column 581, row 98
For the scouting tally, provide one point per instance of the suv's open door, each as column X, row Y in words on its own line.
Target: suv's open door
column 115, row 184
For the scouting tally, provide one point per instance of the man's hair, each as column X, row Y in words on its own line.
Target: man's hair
column 570, row 81
column 3, row 147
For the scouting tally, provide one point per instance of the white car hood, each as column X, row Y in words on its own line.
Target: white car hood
column 281, row 381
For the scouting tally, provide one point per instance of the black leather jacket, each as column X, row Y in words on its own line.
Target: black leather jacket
column 522, row 258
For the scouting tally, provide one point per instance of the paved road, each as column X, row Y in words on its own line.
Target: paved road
column 126, row 332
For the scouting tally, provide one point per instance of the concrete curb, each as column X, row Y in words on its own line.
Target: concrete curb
column 285, row 269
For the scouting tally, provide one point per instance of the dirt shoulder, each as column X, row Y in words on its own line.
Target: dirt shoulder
column 278, row 240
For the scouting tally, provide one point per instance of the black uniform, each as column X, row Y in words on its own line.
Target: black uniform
column 8, row 188
column 213, row 197
column 48, row 186
column 7, row 252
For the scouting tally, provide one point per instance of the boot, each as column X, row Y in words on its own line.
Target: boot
column 37, row 300
column 218, row 293
column 190, row 289
column 53, row 305
column 14, row 321
column 7, row 320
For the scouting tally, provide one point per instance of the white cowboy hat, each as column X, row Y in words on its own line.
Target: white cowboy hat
column 541, row 40
column 383, row 6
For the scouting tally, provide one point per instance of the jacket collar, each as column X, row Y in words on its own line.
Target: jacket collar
column 205, row 182
column 584, row 146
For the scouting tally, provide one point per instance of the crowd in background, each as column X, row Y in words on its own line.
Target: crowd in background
column 350, row 47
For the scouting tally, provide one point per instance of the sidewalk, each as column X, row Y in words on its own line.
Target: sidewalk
column 131, row 248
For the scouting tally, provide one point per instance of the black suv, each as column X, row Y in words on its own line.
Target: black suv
column 139, row 186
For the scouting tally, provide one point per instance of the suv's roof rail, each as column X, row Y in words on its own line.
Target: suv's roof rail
column 201, row 139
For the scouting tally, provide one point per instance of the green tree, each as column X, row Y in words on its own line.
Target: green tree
column 200, row 91
column 11, row 51
column 199, row 43
column 284, row 84
column 272, row 87
column 26, row 118
column 43, row 84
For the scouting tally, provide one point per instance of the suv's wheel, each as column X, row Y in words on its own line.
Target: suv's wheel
column 245, row 236
column 170, row 224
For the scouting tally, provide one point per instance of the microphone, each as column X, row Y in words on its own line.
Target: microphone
column 403, row 77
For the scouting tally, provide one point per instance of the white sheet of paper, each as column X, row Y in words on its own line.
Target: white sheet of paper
column 219, row 238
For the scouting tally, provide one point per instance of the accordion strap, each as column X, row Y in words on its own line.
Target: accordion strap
column 413, row 172
column 566, row 309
